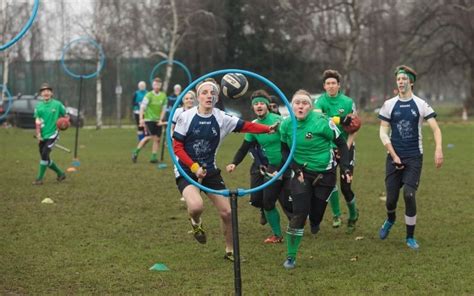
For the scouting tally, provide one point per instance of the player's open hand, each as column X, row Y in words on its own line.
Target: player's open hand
column 438, row 158
column 230, row 168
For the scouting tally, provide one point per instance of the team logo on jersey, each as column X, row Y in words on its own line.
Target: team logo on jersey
column 341, row 111
column 413, row 112
column 214, row 132
column 309, row 135
column 53, row 110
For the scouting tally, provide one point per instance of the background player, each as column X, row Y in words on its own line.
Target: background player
column 403, row 115
column 152, row 112
column 271, row 147
column 136, row 102
column 46, row 115
column 337, row 106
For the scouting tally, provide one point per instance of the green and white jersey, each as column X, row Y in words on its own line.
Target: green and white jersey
column 314, row 138
column 270, row 143
column 48, row 113
column 340, row 105
column 154, row 104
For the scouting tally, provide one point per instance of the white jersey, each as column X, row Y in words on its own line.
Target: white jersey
column 202, row 134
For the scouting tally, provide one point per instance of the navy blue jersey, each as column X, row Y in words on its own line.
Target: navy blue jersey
column 202, row 134
column 405, row 117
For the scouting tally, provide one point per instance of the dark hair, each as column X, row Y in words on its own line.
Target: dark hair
column 157, row 79
column 406, row 69
column 260, row 93
column 331, row 74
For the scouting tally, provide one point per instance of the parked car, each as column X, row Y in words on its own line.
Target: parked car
column 22, row 110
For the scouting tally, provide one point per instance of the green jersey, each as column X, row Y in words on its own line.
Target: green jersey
column 154, row 103
column 340, row 105
column 48, row 113
column 270, row 143
column 314, row 138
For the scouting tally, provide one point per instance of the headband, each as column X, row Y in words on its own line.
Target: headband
column 260, row 100
column 214, row 85
column 303, row 97
column 410, row 75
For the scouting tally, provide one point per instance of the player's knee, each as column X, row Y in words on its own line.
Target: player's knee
column 298, row 221
column 268, row 205
column 225, row 215
column 409, row 194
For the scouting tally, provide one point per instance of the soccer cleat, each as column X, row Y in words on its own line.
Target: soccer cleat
column 385, row 229
column 37, row 182
column 134, row 157
column 61, row 177
column 273, row 239
column 315, row 229
column 229, row 256
column 290, row 263
column 336, row 222
column 199, row 233
column 412, row 243
column 153, row 160
column 351, row 223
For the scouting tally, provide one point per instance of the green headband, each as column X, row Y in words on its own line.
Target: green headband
column 261, row 100
column 410, row 75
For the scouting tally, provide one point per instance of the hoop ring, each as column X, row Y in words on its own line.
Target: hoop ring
column 24, row 29
column 157, row 66
column 83, row 76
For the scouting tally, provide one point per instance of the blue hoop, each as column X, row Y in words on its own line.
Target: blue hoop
column 101, row 58
column 25, row 28
column 240, row 191
column 5, row 90
column 157, row 66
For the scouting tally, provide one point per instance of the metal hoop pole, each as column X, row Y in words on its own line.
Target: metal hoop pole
column 235, row 241
column 78, row 116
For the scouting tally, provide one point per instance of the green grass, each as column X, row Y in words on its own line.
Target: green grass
column 112, row 220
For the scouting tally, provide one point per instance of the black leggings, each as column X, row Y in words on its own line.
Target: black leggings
column 310, row 197
column 45, row 148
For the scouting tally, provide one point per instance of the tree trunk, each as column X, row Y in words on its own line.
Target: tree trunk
column 469, row 104
column 172, row 51
column 98, row 107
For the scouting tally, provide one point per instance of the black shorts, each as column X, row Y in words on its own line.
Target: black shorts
column 319, row 185
column 153, row 128
column 213, row 180
column 409, row 175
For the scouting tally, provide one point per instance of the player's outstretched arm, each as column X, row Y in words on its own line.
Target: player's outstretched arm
column 239, row 155
column 438, row 156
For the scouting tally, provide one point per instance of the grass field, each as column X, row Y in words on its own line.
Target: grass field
column 112, row 220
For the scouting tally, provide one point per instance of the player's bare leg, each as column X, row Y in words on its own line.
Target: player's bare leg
column 195, row 207
column 223, row 207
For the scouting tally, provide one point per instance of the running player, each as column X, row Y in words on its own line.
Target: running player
column 152, row 112
column 403, row 115
column 136, row 101
column 271, row 147
column 335, row 105
column 46, row 114
column 197, row 135
column 315, row 172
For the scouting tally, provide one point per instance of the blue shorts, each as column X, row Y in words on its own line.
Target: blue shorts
column 409, row 175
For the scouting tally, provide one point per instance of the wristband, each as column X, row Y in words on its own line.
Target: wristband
column 194, row 167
